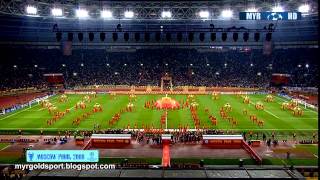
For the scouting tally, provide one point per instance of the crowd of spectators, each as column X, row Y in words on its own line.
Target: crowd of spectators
column 25, row 67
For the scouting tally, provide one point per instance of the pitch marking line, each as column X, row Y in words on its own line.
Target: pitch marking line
column 4, row 148
column 271, row 113
column 268, row 112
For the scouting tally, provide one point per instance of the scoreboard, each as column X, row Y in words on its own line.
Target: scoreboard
column 270, row 16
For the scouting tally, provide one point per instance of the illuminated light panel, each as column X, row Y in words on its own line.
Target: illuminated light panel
column 31, row 10
column 128, row 14
column 204, row 14
column 82, row 13
column 227, row 13
column 305, row 8
column 166, row 14
column 106, row 14
column 56, row 12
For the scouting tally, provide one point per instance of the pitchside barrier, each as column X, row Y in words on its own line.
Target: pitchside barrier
column 222, row 91
column 109, row 140
column 19, row 140
column 230, row 141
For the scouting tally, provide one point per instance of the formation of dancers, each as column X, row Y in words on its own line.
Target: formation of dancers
column 150, row 104
column 224, row 114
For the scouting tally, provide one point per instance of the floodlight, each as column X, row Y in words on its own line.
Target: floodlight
column 82, row 13
column 56, row 12
column 31, row 10
column 128, row 14
column 106, row 14
column 305, row 8
column 227, row 13
column 204, row 14
column 166, row 14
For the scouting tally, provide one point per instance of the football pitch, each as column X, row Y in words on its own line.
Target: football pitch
column 275, row 119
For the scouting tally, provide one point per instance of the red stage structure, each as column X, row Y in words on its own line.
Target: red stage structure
column 166, row 140
column 167, row 103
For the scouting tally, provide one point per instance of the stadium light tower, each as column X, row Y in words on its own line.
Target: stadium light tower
column 82, row 13
column 31, row 10
column 128, row 14
column 166, row 14
column 277, row 8
column 106, row 14
column 204, row 14
column 227, row 13
column 305, row 8
column 56, row 12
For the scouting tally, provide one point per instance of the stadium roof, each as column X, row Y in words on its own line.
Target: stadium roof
column 18, row 28
column 150, row 9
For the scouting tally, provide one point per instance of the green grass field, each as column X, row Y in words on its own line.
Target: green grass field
column 35, row 117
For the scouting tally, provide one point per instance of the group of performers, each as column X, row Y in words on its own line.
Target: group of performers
column 269, row 98
column 293, row 105
column 259, row 106
column 163, row 118
column 114, row 119
column 195, row 116
column 297, row 111
column 86, row 98
column 81, row 105
column 150, row 104
column 224, row 113
column 117, row 116
column 213, row 119
column 130, row 107
column 255, row 120
column 56, row 117
column 97, row 108
column 63, row 98
column 246, row 100
column 183, row 127
column 79, row 119
column 52, row 109
column 215, row 95
column 132, row 97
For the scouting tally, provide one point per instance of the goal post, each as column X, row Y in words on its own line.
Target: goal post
column 166, row 79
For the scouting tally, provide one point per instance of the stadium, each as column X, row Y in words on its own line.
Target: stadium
column 159, row 89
